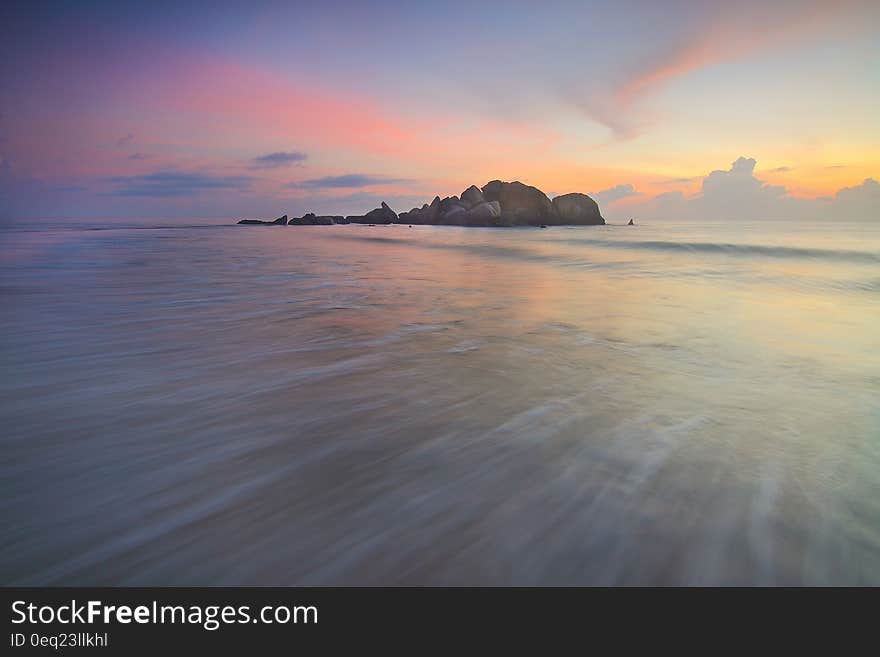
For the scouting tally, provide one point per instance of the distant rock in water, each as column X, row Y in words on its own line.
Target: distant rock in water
column 631, row 223
column 280, row 221
column 497, row 203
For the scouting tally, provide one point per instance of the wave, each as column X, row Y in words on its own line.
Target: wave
column 739, row 249
column 720, row 248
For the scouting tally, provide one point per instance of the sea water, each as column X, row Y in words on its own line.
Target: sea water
column 669, row 403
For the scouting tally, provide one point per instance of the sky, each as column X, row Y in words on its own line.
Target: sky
column 702, row 109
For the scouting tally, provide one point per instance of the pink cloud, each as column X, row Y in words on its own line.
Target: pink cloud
column 253, row 108
column 725, row 35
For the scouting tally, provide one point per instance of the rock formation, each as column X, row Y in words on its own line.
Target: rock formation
column 497, row 203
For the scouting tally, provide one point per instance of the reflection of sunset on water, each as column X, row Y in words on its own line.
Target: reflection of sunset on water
column 354, row 404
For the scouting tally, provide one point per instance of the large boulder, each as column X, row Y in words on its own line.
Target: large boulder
column 455, row 215
column 381, row 215
column 472, row 196
column 447, row 203
column 577, row 209
column 492, row 190
column 484, row 214
column 520, row 204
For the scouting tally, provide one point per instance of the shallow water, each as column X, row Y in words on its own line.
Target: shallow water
column 663, row 404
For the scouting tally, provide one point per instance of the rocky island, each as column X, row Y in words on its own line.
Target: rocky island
column 497, row 203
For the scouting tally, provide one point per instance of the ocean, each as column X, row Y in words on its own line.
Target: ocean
column 664, row 404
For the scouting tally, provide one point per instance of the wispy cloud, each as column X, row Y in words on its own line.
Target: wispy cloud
column 279, row 159
column 350, row 180
column 125, row 140
column 139, row 156
column 780, row 170
column 175, row 183
column 718, row 36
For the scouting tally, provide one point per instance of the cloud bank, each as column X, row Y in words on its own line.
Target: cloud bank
column 736, row 194
column 615, row 193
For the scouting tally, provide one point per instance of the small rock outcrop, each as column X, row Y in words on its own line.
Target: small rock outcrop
column 280, row 221
column 381, row 215
column 631, row 223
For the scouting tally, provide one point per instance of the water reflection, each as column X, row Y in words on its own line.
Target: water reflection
column 438, row 406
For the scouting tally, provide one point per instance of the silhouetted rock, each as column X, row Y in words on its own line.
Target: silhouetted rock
column 631, row 223
column 578, row 210
column 447, row 203
column 430, row 215
column 492, row 190
column 280, row 221
column 455, row 215
column 472, row 196
column 381, row 215
column 498, row 203
column 427, row 214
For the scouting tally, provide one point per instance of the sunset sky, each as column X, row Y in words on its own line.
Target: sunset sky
column 228, row 109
